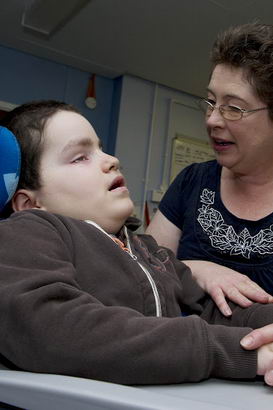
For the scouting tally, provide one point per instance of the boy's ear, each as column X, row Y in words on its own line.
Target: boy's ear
column 24, row 199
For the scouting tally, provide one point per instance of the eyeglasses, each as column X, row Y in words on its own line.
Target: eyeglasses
column 228, row 112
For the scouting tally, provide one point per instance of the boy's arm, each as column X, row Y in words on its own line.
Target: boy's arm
column 259, row 317
column 255, row 316
column 49, row 324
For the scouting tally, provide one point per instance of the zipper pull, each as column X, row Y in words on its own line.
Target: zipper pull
column 123, row 247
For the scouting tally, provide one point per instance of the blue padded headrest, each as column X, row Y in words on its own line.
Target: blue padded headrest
column 10, row 162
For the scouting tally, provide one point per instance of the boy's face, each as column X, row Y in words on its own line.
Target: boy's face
column 78, row 178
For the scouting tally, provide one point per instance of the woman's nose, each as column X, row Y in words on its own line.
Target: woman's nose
column 215, row 118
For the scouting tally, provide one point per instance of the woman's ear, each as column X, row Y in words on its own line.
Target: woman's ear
column 24, row 199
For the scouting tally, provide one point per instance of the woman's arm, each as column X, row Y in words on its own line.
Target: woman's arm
column 218, row 281
column 165, row 232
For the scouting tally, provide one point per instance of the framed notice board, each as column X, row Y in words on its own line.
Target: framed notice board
column 186, row 150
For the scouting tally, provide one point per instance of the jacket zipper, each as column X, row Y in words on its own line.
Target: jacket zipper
column 145, row 270
column 148, row 275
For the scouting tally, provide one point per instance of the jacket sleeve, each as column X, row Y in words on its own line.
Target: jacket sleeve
column 49, row 324
column 255, row 316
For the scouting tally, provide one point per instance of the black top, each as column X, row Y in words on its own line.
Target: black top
column 211, row 232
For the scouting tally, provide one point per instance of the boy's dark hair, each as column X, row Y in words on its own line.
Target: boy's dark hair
column 27, row 122
column 250, row 47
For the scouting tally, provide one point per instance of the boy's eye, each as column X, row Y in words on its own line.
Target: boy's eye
column 81, row 158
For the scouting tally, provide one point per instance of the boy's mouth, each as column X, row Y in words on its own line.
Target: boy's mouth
column 117, row 183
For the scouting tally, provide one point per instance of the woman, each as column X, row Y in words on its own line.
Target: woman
column 218, row 216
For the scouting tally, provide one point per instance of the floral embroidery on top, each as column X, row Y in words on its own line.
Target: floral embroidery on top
column 224, row 237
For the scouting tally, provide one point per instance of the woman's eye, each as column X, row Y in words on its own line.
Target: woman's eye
column 211, row 101
column 234, row 108
column 81, row 158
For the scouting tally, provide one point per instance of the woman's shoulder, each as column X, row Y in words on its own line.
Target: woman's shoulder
column 198, row 168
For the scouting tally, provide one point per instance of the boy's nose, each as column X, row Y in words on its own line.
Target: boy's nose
column 110, row 163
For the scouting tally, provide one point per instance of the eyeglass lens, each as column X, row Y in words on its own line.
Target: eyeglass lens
column 227, row 112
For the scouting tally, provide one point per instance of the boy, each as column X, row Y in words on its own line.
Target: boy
column 82, row 295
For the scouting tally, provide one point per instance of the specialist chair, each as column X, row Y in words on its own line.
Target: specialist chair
column 38, row 391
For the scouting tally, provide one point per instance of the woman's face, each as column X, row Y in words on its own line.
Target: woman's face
column 244, row 145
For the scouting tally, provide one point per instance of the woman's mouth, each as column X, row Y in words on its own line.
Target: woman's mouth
column 221, row 145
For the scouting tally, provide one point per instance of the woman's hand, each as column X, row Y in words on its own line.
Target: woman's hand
column 222, row 282
column 217, row 280
column 262, row 339
column 258, row 337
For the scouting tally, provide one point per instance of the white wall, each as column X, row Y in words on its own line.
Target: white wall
column 150, row 116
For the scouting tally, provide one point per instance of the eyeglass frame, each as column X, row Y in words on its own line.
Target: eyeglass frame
column 222, row 111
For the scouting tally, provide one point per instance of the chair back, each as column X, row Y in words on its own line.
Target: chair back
column 10, row 162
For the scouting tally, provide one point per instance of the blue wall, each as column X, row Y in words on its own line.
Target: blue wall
column 135, row 119
column 24, row 77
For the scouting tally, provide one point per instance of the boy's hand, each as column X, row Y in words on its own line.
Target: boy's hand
column 265, row 363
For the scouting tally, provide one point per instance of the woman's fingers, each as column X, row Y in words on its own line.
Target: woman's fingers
column 254, row 292
column 258, row 337
column 218, row 296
